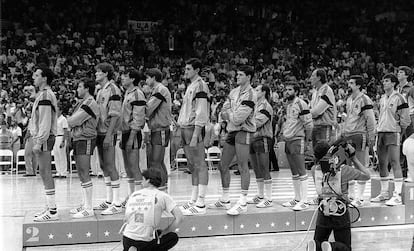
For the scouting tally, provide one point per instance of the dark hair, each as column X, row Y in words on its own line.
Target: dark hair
column 408, row 71
column 154, row 72
column 153, row 175
column 359, row 80
column 266, row 89
column 320, row 150
column 295, row 86
column 46, row 72
column 391, row 77
column 322, row 75
column 90, row 84
column 247, row 69
column 135, row 74
column 106, row 68
column 195, row 63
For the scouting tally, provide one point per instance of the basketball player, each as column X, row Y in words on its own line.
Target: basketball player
column 238, row 110
column 83, row 124
column 194, row 116
column 44, row 122
column 109, row 102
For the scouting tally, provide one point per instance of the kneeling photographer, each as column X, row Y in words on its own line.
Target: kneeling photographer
column 331, row 181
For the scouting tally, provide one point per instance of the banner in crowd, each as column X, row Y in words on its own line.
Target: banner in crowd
column 142, row 27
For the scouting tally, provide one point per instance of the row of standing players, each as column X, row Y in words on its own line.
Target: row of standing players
column 248, row 115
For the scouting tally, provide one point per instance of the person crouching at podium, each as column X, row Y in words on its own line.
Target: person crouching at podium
column 331, row 182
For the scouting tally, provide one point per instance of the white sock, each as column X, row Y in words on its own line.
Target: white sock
column 88, row 197
column 201, row 195
column 296, row 187
column 243, row 197
column 115, row 188
column 109, row 192
column 384, row 184
column 351, row 189
column 361, row 189
column 398, row 186
column 226, row 194
column 268, row 189
column 50, row 198
column 131, row 186
column 83, row 195
column 304, row 188
column 194, row 193
column 260, row 187
column 138, row 185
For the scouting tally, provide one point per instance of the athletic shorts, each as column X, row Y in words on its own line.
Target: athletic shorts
column 389, row 138
column 321, row 133
column 261, row 145
column 84, row 147
column 137, row 141
column 187, row 134
column 239, row 137
column 359, row 141
column 100, row 139
column 296, row 146
column 48, row 145
column 161, row 138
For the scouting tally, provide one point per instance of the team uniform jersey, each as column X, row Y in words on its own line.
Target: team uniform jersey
column 298, row 119
column 159, row 108
column 44, row 118
column 84, row 120
column 394, row 114
column 109, row 102
column 323, row 108
column 263, row 119
column 133, row 110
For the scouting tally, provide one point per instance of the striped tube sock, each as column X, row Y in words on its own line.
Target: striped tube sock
column 226, row 194
column 303, row 180
column 384, row 184
column 296, row 187
column 201, row 195
column 50, row 198
column 87, row 190
column 260, row 187
column 138, row 185
column 243, row 197
column 397, row 186
column 268, row 189
column 115, row 184
column 131, row 185
column 109, row 192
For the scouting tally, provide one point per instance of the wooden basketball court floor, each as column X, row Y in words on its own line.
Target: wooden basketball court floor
column 20, row 194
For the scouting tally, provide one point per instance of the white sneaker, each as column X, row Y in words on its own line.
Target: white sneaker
column 104, row 205
column 77, row 210
column 381, row 197
column 394, row 201
column 300, row 206
column 220, row 205
column 47, row 216
column 112, row 210
column 311, row 246
column 194, row 210
column 255, row 200
column 314, row 202
column 237, row 209
column 84, row 214
column 326, row 246
column 264, row 203
column 291, row 203
column 357, row 203
column 41, row 212
column 187, row 205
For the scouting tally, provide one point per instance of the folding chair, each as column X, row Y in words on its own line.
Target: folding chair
column 180, row 157
column 20, row 161
column 213, row 155
column 8, row 154
column 72, row 161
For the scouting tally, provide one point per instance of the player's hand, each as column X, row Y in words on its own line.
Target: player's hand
column 37, row 149
column 193, row 142
column 349, row 150
column 129, row 144
column 107, row 142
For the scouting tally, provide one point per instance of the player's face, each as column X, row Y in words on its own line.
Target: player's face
column 241, row 78
column 81, row 90
column 100, row 75
column 352, row 85
column 388, row 85
column 38, row 80
column 150, row 80
column 259, row 92
column 189, row 72
column 290, row 92
column 313, row 78
column 401, row 75
column 126, row 80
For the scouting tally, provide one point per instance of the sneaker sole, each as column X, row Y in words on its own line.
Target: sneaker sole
column 55, row 219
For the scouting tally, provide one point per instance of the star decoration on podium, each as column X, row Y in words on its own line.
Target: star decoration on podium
column 69, row 235
column 177, row 230
column 399, row 217
column 287, row 223
column 372, row 218
column 106, row 233
column 411, row 216
column 360, row 219
column 210, row 228
column 226, row 227
column 193, row 228
column 241, row 226
column 257, row 225
column 88, row 234
column 272, row 224
column 302, row 223
column 51, row 236
column 385, row 217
